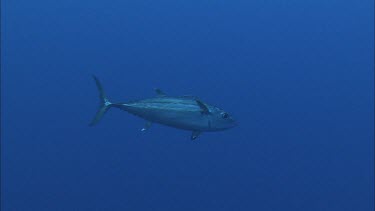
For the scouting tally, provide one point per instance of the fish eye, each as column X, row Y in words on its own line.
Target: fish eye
column 224, row 115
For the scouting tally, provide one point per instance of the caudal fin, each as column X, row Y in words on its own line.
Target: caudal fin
column 104, row 103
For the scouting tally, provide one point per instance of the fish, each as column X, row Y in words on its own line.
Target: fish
column 182, row 112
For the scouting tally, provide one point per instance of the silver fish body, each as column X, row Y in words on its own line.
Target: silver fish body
column 178, row 112
column 187, row 112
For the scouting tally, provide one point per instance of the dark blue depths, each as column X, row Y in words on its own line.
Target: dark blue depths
column 297, row 75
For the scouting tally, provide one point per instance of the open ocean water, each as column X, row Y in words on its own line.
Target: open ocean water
column 298, row 76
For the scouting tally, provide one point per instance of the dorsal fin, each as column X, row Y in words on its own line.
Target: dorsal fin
column 159, row 93
column 203, row 107
column 189, row 96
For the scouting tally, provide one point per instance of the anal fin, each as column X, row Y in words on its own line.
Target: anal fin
column 195, row 135
column 147, row 126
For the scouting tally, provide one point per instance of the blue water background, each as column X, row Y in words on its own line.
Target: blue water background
column 297, row 75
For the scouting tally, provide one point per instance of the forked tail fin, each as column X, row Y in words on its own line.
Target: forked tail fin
column 104, row 103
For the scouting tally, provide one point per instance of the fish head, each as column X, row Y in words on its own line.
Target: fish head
column 222, row 120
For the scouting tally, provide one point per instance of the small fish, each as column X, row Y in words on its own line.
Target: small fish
column 186, row 112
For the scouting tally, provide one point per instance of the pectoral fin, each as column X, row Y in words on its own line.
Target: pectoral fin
column 203, row 107
column 195, row 135
column 147, row 126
